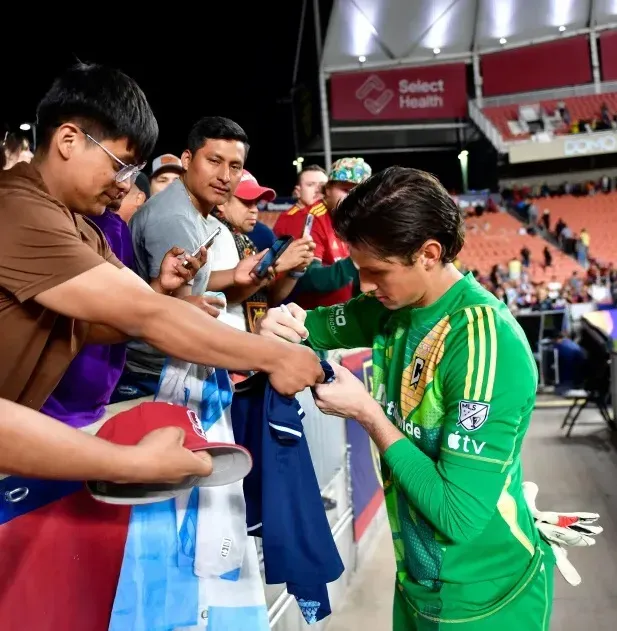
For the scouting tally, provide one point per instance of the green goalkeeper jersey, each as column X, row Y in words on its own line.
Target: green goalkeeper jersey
column 459, row 380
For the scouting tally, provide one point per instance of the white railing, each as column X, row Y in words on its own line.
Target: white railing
column 487, row 127
column 544, row 95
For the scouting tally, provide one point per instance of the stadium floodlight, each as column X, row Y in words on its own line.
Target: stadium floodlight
column 26, row 126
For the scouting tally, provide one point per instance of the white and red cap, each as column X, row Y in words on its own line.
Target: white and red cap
column 230, row 462
column 249, row 189
column 166, row 162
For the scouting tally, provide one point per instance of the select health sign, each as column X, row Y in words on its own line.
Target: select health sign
column 366, row 482
column 429, row 92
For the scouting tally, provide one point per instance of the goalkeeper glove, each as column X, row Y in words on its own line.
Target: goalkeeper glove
column 563, row 529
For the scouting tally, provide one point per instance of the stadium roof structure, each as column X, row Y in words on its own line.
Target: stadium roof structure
column 366, row 35
column 390, row 33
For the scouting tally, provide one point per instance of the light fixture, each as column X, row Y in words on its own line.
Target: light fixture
column 503, row 41
column 361, row 59
column 31, row 127
column 436, row 51
column 463, row 158
column 298, row 163
column 562, row 28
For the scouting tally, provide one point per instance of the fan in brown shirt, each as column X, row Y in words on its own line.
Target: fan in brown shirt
column 42, row 245
column 60, row 285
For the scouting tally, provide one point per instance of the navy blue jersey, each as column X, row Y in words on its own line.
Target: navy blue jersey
column 283, row 501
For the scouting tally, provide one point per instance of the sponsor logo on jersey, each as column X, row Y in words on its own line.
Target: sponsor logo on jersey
column 393, row 412
column 472, row 414
column 337, row 316
column 416, row 373
column 456, row 441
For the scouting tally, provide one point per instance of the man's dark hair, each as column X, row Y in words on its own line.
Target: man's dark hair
column 215, row 128
column 395, row 211
column 103, row 101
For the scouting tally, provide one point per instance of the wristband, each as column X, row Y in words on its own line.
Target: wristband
column 296, row 275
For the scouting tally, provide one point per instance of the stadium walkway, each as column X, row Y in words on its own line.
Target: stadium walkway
column 579, row 473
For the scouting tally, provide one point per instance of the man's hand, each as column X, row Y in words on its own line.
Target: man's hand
column 287, row 324
column 346, row 396
column 298, row 256
column 160, row 457
column 243, row 276
column 298, row 368
column 173, row 275
column 210, row 304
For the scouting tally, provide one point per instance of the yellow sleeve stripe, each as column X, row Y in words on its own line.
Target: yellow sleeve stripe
column 492, row 365
column 471, row 354
column 319, row 210
column 481, row 354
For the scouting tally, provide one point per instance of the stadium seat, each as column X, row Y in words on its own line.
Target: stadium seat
column 597, row 214
column 580, row 108
column 494, row 239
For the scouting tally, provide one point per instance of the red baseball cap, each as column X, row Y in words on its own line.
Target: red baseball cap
column 249, row 189
column 230, row 462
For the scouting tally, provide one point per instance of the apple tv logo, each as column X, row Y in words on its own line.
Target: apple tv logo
column 454, row 443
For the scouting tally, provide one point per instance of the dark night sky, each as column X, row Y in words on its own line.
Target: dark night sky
column 242, row 72
column 241, row 68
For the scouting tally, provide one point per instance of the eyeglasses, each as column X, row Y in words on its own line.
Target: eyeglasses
column 128, row 171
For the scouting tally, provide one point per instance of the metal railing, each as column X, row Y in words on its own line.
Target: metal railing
column 487, row 127
column 569, row 92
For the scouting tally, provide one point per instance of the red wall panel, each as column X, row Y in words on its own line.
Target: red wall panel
column 554, row 64
column 608, row 55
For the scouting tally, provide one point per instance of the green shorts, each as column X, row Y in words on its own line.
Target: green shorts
column 531, row 610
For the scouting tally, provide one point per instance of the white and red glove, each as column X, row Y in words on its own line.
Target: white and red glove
column 575, row 529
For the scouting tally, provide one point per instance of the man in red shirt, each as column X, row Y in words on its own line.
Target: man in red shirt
column 345, row 174
column 308, row 191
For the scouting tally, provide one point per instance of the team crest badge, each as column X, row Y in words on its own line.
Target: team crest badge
column 472, row 414
column 418, row 367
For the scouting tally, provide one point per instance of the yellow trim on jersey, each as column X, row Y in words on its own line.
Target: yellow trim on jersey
column 292, row 211
column 482, row 353
column 506, row 505
column 492, row 366
column 318, row 210
column 471, row 350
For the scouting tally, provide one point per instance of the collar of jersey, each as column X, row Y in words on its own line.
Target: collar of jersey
column 444, row 304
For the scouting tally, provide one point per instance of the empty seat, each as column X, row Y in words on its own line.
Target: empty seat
column 494, row 239
column 580, row 108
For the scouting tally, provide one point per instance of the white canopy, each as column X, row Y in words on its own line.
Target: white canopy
column 388, row 33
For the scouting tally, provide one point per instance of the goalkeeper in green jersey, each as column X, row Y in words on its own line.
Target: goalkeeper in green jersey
column 454, row 389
